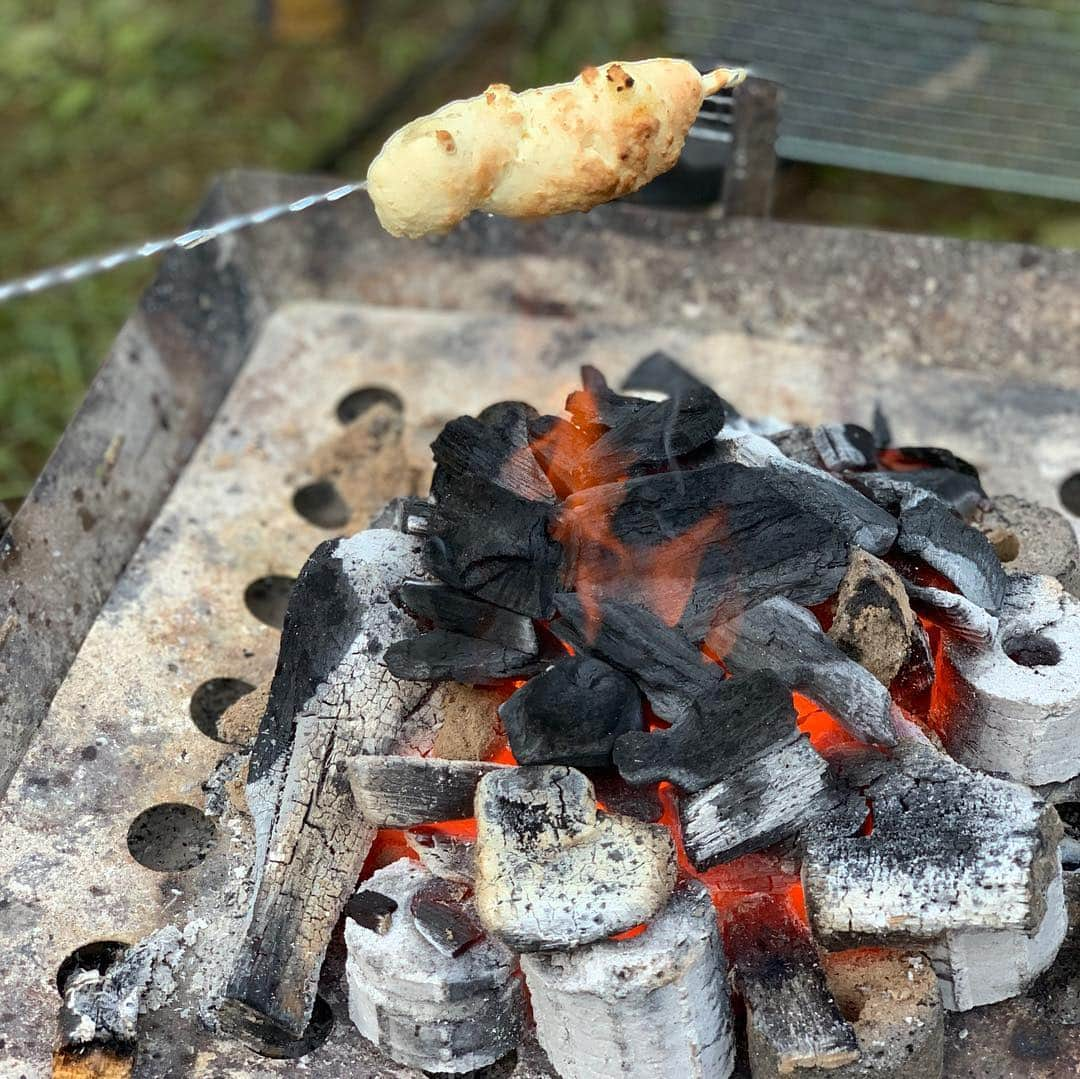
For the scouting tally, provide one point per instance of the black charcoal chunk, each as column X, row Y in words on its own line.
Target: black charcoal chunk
column 953, row 613
column 442, row 918
column 441, row 654
column 571, row 714
column 407, row 514
column 447, row 608
column 558, row 446
column 448, row 856
column 487, row 541
column 781, row 636
column 667, row 667
column 745, row 717
column 658, row 432
column 371, row 910
column 615, row 795
column 797, row 444
column 879, row 424
column 493, row 448
column 961, row 492
column 844, row 445
column 597, row 405
column 660, row 373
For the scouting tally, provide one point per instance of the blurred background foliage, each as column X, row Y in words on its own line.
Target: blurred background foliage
column 116, row 114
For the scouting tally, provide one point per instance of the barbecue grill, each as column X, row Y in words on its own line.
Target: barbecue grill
column 147, row 559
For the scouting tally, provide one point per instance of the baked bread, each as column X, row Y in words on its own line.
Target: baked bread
column 544, row 151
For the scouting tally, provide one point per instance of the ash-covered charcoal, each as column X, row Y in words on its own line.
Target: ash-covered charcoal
column 1046, row 541
column 552, row 872
column 443, row 918
column 668, row 668
column 797, row 444
column 487, row 541
column 399, row 792
column 874, row 623
column 1013, row 707
column 951, row 851
column 895, row 1007
column 652, row 1005
column 371, row 910
column 448, row 608
column 440, row 654
column 743, row 718
column 424, row 1008
column 782, row 637
column 793, row 1023
column 958, row 616
column 658, row 432
column 331, row 699
column 558, row 446
column 494, row 447
column 843, row 446
column 448, row 856
column 775, row 796
column 598, row 406
column 571, row 714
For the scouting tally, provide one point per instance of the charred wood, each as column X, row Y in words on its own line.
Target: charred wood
column 447, row 856
column 443, row 918
column 792, row 1021
column 558, row 446
column 447, row 608
column 597, row 406
column 553, row 872
column 782, row 637
column 617, row 796
column 440, row 654
column 745, row 718
column 655, row 1004
column 399, row 792
column 571, row 714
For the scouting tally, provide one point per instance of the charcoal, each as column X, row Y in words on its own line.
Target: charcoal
column 439, row 654
column 553, row 872
column 669, row 670
column 934, row 457
column 880, row 427
column 407, row 514
column 844, row 446
column 558, row 446
column 776, row 796
column 399, row 792
column 655, row 1004
column 873, row 622
column 1048, row 544
column 494, row 447
column 962, row 493
column 792, row 1020
column 571, row 714
column 751, row 533
column 743, row 718
column 956, row 615
column 615, row 795
column 487, row 541
column 1012, row 707
column 783, row 637
column 447, row 608
column 426, row 1009
column 658, row 432
column 660, row 373
column 443, row 919
column 797, row 444
column 597, row 406
column 447, row 856
column 371, row 910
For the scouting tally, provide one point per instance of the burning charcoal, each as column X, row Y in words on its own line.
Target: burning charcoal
column 571, row 714
column 655, row 1004
column 426, row 1009
column 331, row 699
column 371, row 910
column 670, row 671
column 447, row 608
column 440, row 654
column 981, row 855
column 558, row 446
column 957, row 616
column 399, row 792
column 408, row 514
column 894, row 1004
column 442, row 917
column 552, row 872
column 1048, row 544
column 618, row 796
column 659, row 431
column 744, row 718
column 874, row 623
column 494, row 448
column 775, row 796
column 487, row 541
column 750, row 533
column 598, row 406
column 449, row 857
column 792, row 1020
column 1014, row 708
column 781, row 636
column 844, row 446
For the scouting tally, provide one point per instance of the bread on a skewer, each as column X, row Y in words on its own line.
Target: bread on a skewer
column 543, row 151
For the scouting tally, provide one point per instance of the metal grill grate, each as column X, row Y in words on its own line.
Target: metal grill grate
column 979, row 92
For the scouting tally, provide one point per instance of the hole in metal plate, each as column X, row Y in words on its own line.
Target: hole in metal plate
column 267, row 597
column 170, row 837
column 359, row 401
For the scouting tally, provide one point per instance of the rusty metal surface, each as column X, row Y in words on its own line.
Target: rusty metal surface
column 522, row 308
